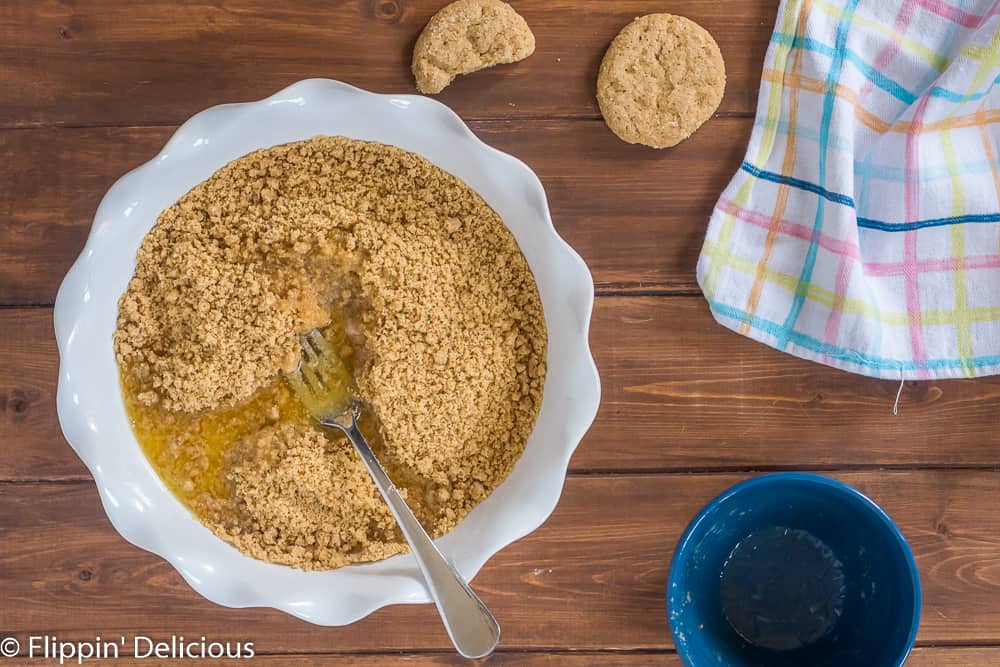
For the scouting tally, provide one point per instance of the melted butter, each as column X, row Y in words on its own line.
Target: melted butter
column 327, row 359
column 189, row 452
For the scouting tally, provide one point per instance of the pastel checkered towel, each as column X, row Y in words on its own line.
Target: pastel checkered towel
column 863, row 228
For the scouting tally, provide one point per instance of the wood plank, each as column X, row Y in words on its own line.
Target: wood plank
column 592, row 578
column 498, row 659
column 121, row 62
column 921, row 657
column 31, row 442
column 954, row 657
column 53, row 182
column 637, row 216
column 680, row 393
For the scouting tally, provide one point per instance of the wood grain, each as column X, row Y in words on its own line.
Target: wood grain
column 921, row 657
column 499, row 659
column 592, row 578
column 102, row 62
column 56, row 178
column 31, row 443
column 92, row 88
column 679, row 393
column 682, row 392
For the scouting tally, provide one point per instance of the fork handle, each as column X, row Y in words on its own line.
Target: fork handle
column 470, row 625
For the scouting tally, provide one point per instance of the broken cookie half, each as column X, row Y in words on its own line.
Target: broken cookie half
column 466, row 36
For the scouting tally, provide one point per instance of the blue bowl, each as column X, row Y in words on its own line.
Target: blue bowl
column 881, row 585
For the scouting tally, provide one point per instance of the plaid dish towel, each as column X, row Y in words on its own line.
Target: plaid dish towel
column 863, row 228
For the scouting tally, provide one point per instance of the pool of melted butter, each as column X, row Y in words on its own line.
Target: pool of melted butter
column 190, row 452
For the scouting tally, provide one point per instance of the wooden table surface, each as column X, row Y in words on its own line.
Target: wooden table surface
column 91, row 88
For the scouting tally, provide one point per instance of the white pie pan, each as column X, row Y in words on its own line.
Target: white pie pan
column 92, row 414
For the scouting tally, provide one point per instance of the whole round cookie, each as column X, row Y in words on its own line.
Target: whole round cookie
column 661, row 78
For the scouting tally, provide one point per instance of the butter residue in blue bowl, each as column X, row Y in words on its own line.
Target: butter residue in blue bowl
column 793, row 570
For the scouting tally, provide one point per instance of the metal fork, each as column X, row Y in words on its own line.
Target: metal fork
column 324, row 386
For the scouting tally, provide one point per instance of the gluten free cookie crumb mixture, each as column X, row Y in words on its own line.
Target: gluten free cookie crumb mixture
column 438, row 314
